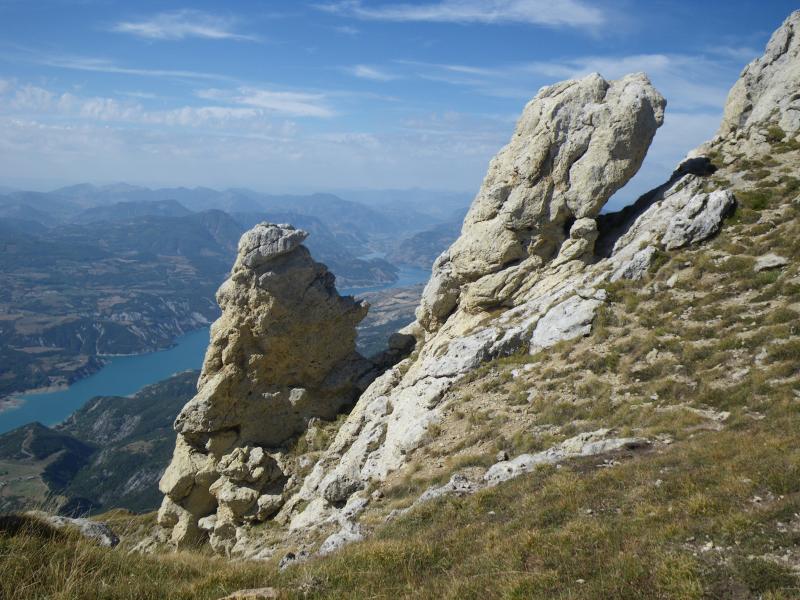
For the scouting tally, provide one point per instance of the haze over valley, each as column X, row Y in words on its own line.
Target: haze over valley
column 96, row 271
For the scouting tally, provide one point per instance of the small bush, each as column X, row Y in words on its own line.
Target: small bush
column 775, row 134
column 754, row 199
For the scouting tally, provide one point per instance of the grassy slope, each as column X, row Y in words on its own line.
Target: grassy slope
column 711, row 511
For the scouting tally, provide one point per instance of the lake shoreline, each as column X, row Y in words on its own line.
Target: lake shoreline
column 118, row 376
column 17, row 398
column 128, row 367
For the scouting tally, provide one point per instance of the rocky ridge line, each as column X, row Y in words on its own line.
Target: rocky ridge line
column 530, row 267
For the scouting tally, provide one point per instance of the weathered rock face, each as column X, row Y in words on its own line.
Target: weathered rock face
column 528, row 271
column 527, row 245
column 576, row 144
column 282, row 352
column 769, row 87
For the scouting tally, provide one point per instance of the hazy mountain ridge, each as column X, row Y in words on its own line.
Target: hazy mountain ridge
column 122, row 269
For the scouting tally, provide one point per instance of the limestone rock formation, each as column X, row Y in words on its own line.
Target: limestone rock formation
column 576, row 144
column 528, row 271
column 282, row 353
column 526, row 245
column 768, row 89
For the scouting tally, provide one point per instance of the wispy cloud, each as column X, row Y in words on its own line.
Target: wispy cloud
column 297, row 104
column 182, row 24
column 101, row 65
column 739, row 53
column 689, row 82
column 246, row 106
column 372, row 73
column 347, row 30
column 139, row 95
column 552, row 13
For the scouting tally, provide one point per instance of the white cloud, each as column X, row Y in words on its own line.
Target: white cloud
column 31, row 98
column 367, row 72
column 5, row 86
column 279, row 156
column 189, row 116
column 347, row 30
column 554, row 13
column 101, row 65
column 740, row 53
column 296, row 104
column 688, row 82
column 139, row 95
column 45, row 104
column 182, row 24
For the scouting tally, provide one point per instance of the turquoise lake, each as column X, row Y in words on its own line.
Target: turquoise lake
column 126, row 375
column 122, row 376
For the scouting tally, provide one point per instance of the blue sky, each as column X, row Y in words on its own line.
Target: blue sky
column 297, row 96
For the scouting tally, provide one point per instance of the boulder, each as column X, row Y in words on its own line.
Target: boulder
column 698, row 220
column 568, row 320
column 346, row 535
column 637, row 266
column 95, row 531
column 770, row 261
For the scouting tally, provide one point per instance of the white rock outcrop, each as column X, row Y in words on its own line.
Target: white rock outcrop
column 282, row 353
column 565, row 321
column 585, row 444
column 576, row 144
column 770, row 261
column 767, row 90
column 528, row 271
column 698, row 220
column 635, row 268
column 96, row 531
column 526, row 244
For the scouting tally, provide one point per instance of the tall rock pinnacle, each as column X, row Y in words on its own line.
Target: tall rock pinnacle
column 282, row 352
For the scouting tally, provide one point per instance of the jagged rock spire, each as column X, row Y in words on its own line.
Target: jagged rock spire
column 282, row 352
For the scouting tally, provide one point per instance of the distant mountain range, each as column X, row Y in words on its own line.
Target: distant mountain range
column 387, row 211
column 87, row 270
